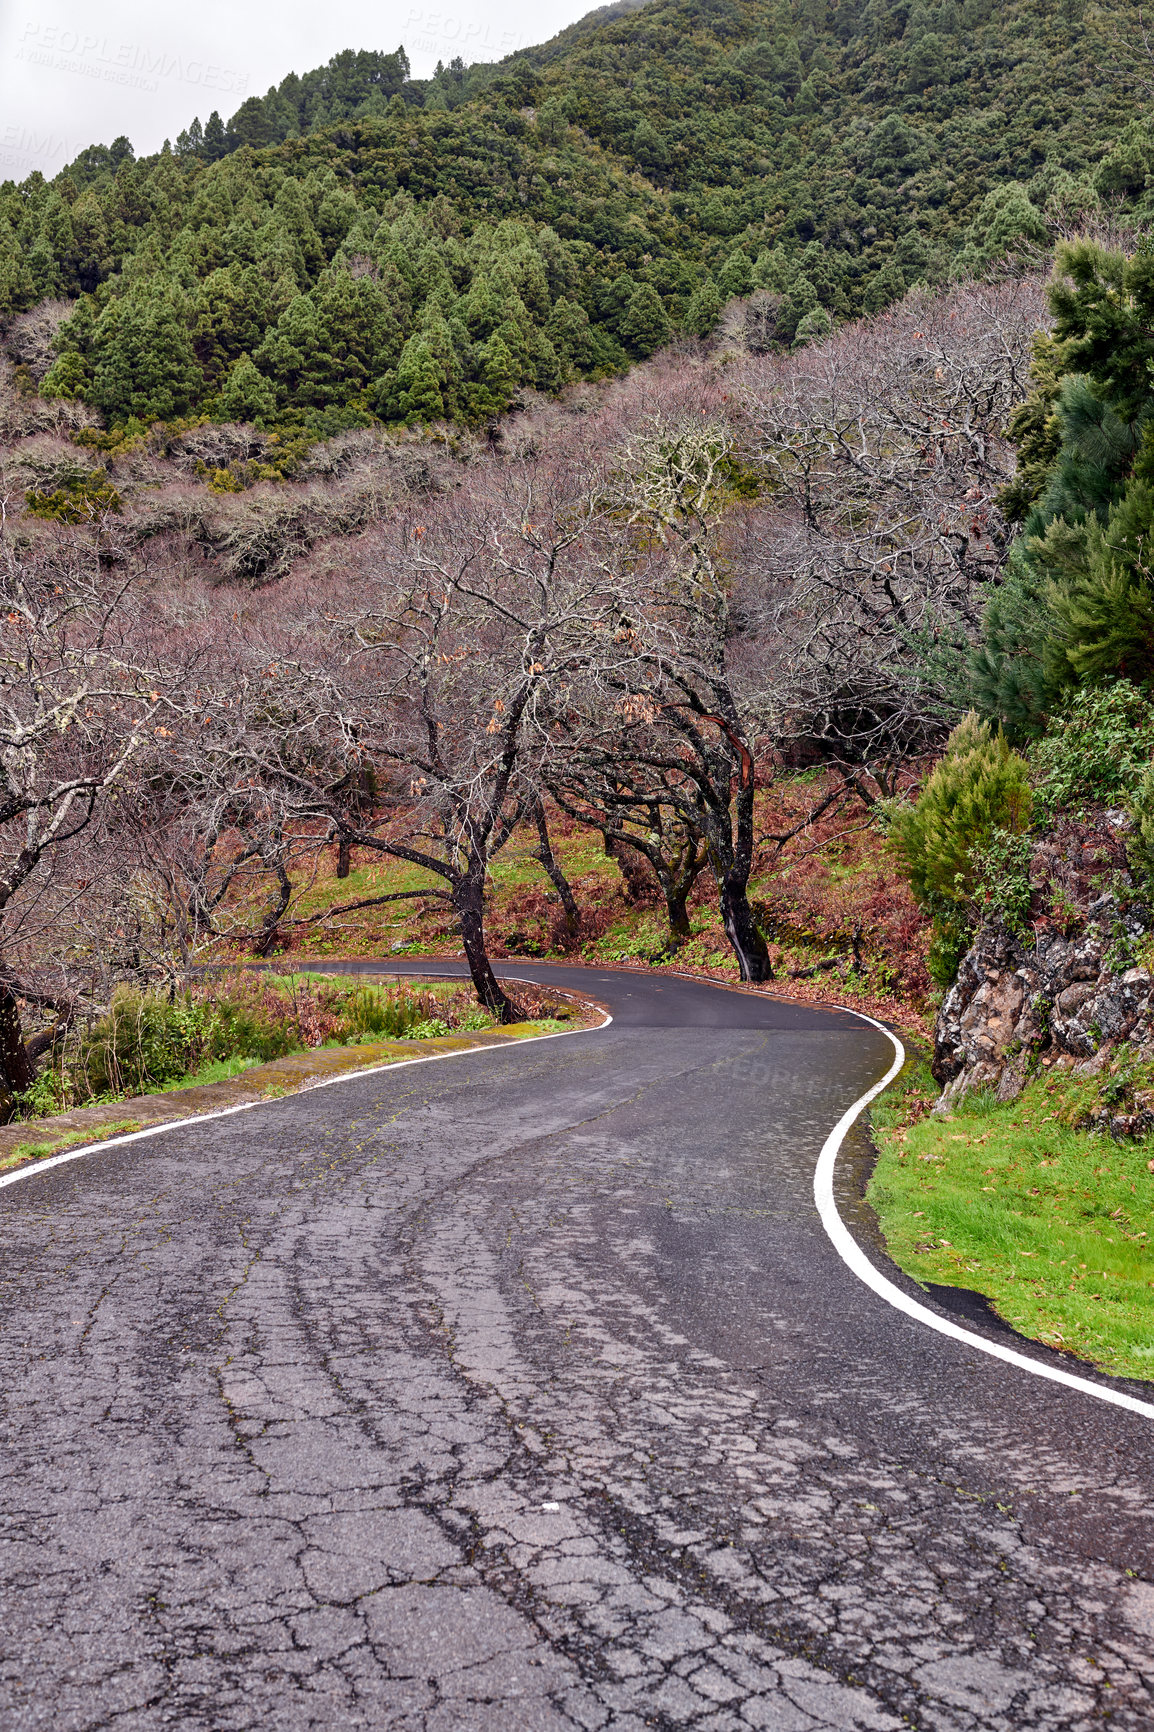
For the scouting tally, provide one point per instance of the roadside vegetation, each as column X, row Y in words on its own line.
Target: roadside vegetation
column 1030, row 849
column 832, row 901
column 1032, row 1180
column 214, row 1029
column 1049, row 1221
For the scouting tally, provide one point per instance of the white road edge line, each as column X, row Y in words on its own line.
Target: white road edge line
column 855, row 1258
column 34, row 1167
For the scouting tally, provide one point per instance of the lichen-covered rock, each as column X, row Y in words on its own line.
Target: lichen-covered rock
column 1015, row 1004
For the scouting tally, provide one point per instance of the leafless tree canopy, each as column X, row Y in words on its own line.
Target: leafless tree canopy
column 644, row 600
column 883, row 451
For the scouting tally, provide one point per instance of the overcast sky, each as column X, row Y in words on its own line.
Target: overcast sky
column 78, row 72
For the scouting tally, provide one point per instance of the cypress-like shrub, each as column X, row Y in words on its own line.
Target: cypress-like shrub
column 981, row 786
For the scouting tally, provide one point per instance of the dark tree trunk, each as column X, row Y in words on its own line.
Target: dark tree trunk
column 742, row 930
column 677, row 911
column 632, row 867
column 558, row 879
column 344, row 857
column 733, row 863
column 270, row 930
column 14, row 1060
column 469, row 902
column 677, row 880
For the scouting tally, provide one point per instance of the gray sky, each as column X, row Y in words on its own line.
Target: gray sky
column 78, row 72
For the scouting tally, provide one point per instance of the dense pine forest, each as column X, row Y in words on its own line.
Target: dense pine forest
column 359, row 246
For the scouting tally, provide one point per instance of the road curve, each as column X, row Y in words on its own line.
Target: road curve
column 523, row 1390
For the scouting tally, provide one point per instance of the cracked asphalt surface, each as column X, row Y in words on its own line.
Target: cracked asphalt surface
column 522, row 1390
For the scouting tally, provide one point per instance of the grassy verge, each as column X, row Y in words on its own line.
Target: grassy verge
column 55, row 1145
column 1048, row 1221
column 218, row 1070
column 216, row 1028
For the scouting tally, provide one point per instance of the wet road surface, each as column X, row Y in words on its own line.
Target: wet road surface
column 523, row 1390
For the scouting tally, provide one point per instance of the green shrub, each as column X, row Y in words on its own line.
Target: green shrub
column 47, row 1094
column 1095, row 751
column 148, row 1041
column 980, row 787
column 1140, row 843
column 234, row 1028
column 143, row 1042
column 1004, row 886
column 397, row 1015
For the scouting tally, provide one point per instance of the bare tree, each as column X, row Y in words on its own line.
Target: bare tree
column 677, row 737
column 431, row 680
column 638, row 823
column 552, row 866
column 81, row 693
column 205, row 855
column 867, row 569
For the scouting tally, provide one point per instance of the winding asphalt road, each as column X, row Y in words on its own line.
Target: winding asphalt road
column 524, row 1390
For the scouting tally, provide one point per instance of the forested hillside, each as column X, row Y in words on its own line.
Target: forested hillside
column 359, row 246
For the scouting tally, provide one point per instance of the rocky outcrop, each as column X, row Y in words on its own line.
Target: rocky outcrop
column 1016, row 1007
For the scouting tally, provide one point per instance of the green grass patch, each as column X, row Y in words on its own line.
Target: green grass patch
column 1049, row 1222
column 39, row 1151
column 217, row 1071
column 543, row 1025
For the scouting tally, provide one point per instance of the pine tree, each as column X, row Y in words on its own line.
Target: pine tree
column 247, row 395
column 1103, row 306
column 645, row 326
column 292, row 355
column 704, row 309
column 736, row 275
column 191, row 141
column 1109, row 624
column 236, row 307
column 215, row 141
column 416, row 388
column 93, row 260
column 69, row 377
column 1006, row 222
column 17, row 289
column 812, row 328
column 1076, row 602
column 979, row 787
column 499, row 376
column 291, row 212
column 568, row 331
column 144, row 366
column 53, row 257
column 482, row 307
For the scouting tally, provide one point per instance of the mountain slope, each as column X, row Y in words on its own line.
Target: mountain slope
column 358, row 245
